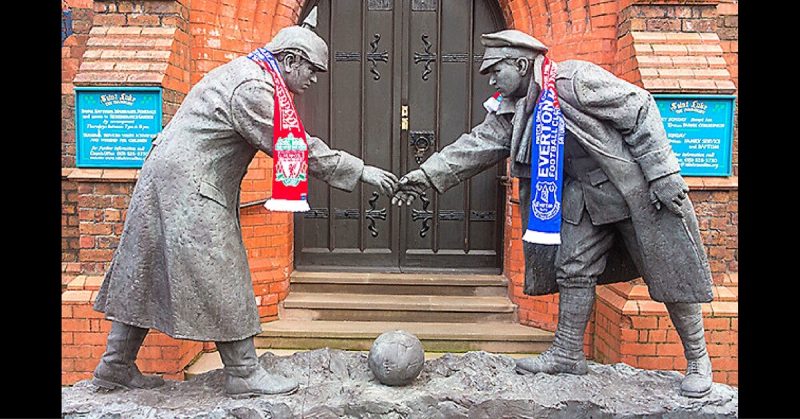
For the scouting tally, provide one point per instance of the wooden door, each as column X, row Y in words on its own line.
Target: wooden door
column 403, row 82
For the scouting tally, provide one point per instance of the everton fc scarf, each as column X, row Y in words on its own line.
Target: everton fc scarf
column 547, row 161
column 289, row 144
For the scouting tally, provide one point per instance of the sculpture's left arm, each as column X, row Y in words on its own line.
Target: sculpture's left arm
column 338, row 168
column 633, row 112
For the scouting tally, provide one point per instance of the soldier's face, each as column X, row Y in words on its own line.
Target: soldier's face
column 509, row 77
column 299, row 75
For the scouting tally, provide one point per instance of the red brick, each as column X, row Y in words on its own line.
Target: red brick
column 170, row 352
column 85, row 311
column 717, row 350
column 69, row 378
column 725, row 364
column 90, row 338
column 732, row 378
column 657, row 336
column 157, row 366
column 150, row 352
column 637, row 349
column 143, row 20
column 716, row 323
column 77, row 351
column 86, row 364
column 656, row 363
column 74, row 325
column 96, row 255
column 271, row 310
column 669, row 349
column 87, row 242
column 644, row 322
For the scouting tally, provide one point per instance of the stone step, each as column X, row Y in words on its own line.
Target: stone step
column 503, row 337
column 377, row 307
column 401, row 284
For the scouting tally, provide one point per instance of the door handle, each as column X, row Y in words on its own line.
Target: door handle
column 421, row 142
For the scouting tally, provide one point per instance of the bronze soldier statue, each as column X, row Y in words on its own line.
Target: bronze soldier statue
column 625, row 210
column 181, row 265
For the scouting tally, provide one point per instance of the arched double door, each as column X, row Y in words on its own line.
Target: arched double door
column 403, row 82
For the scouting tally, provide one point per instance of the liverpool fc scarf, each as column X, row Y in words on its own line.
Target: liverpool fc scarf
column 289, row 144
column 547, row 161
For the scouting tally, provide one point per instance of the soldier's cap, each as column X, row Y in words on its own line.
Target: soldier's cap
column 509, row 43
column 304, row 41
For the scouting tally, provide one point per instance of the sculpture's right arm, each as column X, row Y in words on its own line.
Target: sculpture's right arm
column 473, row 152
column 252, row 112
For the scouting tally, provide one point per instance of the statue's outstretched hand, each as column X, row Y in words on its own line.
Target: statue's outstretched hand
column 386, row 182
column 413, row 184
column 670, row 191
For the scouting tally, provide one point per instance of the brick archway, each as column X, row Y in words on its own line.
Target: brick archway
column 219, row 32
column 585, row 29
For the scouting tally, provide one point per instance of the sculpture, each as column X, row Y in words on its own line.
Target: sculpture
column 620, row 178
column 181, row 265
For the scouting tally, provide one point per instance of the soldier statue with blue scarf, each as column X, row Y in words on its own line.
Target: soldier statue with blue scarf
column 609, row 203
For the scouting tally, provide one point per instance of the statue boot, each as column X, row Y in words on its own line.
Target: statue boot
column 244, row 375
column 566, row 354
column 117, row 367
column 688, row 320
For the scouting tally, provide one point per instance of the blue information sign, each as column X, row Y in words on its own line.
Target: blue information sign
column 700, row 130
column 115, row 126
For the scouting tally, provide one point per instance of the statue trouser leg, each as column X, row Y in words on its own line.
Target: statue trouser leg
column 688, row 320
column 581, row 258
column 244, row 376
column 117, row 367
column 566, row 354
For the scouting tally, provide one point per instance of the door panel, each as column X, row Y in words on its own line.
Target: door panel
column 386, row 54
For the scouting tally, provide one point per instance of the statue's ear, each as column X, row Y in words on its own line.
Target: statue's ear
column 523, row 65
column 289, row 62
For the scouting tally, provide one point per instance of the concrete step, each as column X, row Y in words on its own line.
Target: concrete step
column 400, row 284
column 377, row 307
column 502, row 337
column 210, row 361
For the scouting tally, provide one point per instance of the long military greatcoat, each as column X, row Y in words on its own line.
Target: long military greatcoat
column 181, row 265
column 619, row 125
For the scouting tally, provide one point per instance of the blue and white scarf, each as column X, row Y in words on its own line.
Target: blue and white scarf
column 547, row 163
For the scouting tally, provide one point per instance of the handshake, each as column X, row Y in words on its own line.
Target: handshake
column 405, row 190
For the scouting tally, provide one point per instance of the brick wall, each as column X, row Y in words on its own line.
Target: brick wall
column 103, row 198
column 633, row 329
column 70, row 232
column 71, row 53
column 84, row 332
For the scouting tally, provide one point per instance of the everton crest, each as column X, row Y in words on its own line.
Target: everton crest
column 545, row 203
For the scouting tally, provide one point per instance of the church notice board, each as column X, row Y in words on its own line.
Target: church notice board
column 700, row 130
column 115, row 126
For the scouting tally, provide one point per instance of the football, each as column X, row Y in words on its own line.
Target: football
column 396, row 358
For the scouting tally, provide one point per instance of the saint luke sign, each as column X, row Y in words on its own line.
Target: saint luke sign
column 700, row 130
column 115, row 126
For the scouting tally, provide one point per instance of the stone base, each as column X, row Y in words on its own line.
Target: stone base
column 336, row 384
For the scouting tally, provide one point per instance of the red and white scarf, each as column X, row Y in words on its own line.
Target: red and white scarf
column 289, row 144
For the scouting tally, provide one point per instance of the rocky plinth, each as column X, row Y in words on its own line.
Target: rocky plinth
column 339, row 384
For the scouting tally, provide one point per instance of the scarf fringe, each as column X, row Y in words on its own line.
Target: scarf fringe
column 539, row 237
column 286, row 205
